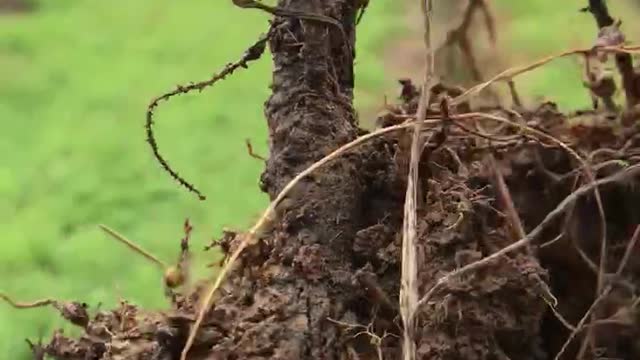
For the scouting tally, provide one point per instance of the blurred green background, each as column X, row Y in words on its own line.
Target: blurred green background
column 75, row 79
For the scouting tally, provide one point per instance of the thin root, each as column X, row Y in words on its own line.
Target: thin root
column 133, row 246
column 253, row 53
column 251, row 152
column 27, row 305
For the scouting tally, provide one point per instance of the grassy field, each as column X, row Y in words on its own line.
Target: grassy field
column 75, row 79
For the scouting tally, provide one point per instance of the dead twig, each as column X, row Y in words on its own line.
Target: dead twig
column 590, row 177
column 174, row 275
column 604, row 293
column 268, row 217
column 75, row 312
column 376, row 340
column 27, row 305
column 600, row 12
column 253, row 53
column 518, row 229
column 514, row 93
column 409, row 275
column 133, row 246
column 362, row 6
column 484, row 135
column 251, row 152
column 489, row 21
column 511, row 73
column 609, row 34
column 590, row 263
column 503, row 193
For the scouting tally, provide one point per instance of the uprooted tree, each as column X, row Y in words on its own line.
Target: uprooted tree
column 524, row 243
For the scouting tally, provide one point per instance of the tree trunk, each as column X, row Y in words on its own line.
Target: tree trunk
column 306, row 275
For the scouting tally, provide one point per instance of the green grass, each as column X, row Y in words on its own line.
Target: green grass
column 75, row 79
column 535, row 29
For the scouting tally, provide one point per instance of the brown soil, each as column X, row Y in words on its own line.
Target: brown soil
column 323, row 280
column 304, row 296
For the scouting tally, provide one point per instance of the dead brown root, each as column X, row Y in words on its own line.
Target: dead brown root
column 74, row 312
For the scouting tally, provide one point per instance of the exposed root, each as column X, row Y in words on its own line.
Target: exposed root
column 174, row 276
column 514, row 94
column 367, row 330
column 602, row 296
column 134, row 247
column 253, row 53
column 27, row 305
column 74, row 312
column 511, row 73
column 409, row 275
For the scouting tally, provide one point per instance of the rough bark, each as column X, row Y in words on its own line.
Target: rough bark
column 307, row 275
